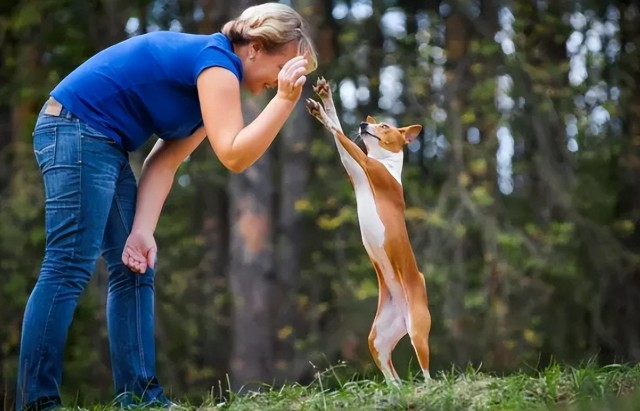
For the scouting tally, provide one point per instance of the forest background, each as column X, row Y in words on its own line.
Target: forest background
column 522, row 193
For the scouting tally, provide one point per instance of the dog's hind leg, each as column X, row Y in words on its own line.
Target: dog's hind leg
column 419, row 323
column 388, row 328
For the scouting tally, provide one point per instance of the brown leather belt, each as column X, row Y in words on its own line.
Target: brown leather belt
column 54, row 108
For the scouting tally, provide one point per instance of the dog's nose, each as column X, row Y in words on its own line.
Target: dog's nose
column 363, row 126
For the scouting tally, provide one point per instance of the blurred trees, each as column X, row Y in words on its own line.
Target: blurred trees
column 523, row 192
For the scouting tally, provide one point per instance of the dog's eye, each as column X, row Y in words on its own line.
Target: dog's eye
column 384, row 125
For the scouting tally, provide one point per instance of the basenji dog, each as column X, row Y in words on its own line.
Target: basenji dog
column 376, row 178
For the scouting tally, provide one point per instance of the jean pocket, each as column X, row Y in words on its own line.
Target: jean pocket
column 44, row 146
column 57, row 145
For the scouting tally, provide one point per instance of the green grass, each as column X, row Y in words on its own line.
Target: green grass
column 584, row 388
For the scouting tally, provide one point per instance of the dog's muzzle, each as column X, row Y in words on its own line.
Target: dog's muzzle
column 363, row 130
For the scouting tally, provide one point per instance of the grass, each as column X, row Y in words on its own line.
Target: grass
column 586, row 388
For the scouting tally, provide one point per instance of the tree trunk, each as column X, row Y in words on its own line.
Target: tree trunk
column 251, row 270
column 295, row 160
column 457, row 42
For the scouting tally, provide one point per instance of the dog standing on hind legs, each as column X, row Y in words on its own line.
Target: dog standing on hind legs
column 376, row 178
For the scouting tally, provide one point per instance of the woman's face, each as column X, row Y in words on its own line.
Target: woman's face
column 261, row 72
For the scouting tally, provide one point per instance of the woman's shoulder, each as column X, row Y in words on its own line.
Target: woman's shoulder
column 219, row 52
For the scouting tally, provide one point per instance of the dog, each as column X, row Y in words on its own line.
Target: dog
column 376, row 178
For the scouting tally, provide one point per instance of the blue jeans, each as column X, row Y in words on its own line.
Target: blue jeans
column 90, row 195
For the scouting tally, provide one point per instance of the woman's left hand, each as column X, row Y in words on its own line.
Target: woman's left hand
column 140, row 252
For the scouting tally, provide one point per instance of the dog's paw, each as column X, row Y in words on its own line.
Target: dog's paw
column 322, row 87
column 313, row 107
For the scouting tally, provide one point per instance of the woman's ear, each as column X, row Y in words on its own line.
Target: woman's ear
column 254, row 48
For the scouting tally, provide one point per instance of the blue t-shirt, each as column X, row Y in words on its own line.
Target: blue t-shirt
column 146, row 85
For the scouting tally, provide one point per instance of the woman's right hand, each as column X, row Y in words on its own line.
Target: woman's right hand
column 291, row 78
column 140, row 252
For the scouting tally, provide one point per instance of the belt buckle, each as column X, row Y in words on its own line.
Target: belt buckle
column 54, row 108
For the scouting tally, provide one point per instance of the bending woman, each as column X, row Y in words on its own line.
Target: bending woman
column 183, row 88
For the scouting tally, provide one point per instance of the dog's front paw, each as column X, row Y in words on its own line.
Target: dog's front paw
column 322, row 87
column 313, row 107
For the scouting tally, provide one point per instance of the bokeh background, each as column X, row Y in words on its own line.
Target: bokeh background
column 522, row 192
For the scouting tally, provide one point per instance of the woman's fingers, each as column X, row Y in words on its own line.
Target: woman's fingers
column 300, row 82
column 292, row 61
column 292, row 77
column 292, row 68
column 135, row 264
column 297, row 70
column 139, row 252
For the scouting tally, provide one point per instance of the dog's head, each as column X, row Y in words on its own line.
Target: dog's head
column 382, row 139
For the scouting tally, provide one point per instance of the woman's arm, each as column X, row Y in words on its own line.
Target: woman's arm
column 156, row 179
column 237, row 146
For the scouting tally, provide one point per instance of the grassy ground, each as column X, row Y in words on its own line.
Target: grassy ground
column 585, row 388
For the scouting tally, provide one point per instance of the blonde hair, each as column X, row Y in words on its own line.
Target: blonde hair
column 272, row 25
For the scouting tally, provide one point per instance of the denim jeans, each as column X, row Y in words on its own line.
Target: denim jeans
column 90, row 195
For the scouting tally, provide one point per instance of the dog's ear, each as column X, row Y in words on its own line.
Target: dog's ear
column 410, row 132
column 371, row 120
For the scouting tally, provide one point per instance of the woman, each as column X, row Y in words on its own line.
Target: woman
column 182, row 88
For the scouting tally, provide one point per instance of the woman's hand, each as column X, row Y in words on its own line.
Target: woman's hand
column 236, row 145
column 291, row 78
column 156, row 178
column 140, row 252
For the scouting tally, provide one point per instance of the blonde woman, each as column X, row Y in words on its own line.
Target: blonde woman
column 183, row 88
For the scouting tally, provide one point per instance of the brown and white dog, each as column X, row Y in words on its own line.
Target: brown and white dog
column 376, row 178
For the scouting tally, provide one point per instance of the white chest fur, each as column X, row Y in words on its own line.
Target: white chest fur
column 371, row 226
column 372, row 230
